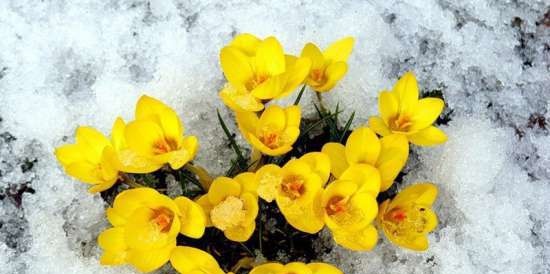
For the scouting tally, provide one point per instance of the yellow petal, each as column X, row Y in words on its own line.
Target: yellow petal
column 314, row 54
column 293, row 116
column 297, row 267
column 366, row 177
column 117, row 134
column 340, row 50
column 141, row 136
column 360, row 209
column 129, row 200
column 246, row 43
column 190, row 260
column 319, row 163
column 406, row 92
column 268, row 178
column 70, row 153
column 101, row 187
column 248, row 182
column 268, row 268
column 221, row 188
column 113, row 258
column 378, row 125
column 429, row 136
column 362, row 146
column 206, row 206
column 247, row 122
column 149, row 260
column 112, row 239
column 85, row 172
column 271, row 88
column 323, row 268
column 148, row 106
column 427, row 111
column 93, row 140
column 333, row 73
column 295, row 75
column 419, row 193
column 257, row 144
column 240, row 233
column 388, row 106
column 393, row 156
column 114, row 218
column 193, row 218
column 171, row 124
column 235, row 66
column 363, row 240
column 303, row 214
column 240, row 100
column 337, row 155
column 250, row 204
column 273, row 118
column 270, row 58
column 141, row 235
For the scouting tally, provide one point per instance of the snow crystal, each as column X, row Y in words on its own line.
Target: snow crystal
column 69, row 63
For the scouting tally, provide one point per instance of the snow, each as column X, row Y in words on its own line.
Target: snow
column 67, row 63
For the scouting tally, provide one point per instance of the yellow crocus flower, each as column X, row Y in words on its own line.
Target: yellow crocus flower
column 349, row 210
column 296, row 187
column 388, row 154
column 401, row 112
column 274, row 132
column 296, row 268
column 329, row 66
column 232, row 206
column 91, row 159
column 156, row 136
column 258, row 70
column 145, row 226
column 408, row 218
column 190, row 260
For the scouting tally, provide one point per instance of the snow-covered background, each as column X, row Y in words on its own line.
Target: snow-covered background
column 68, row 63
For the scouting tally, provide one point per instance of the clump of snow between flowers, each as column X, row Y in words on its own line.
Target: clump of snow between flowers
column 68, row 63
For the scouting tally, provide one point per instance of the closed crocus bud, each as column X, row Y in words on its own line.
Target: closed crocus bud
column 274, row 132
column 145, row 226
column 91, row 159
column 401, row 112
column 408, row 218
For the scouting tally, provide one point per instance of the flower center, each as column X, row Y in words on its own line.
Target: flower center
column 400, row 123
column 403, row 222
column 318, row 75
column 162, row 218
column 229, row 213
column 255, row 81
column 165, row 145
column 270, row 139
column 335, row 205
column 293, row 186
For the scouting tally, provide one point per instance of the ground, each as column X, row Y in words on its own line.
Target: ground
column 70, row 63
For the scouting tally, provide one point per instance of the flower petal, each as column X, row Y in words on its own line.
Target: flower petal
column 313, row 53
column 333, row 73
column 239, row 100
column 267, row 268
column 295, row 76
column 429, row 136
column 149, row 260
column 193, row 217
column 223, row 187
column 323, row 268
column 337, row 154
column 364, row 240
column 190, row 260
column 366, row 177
column 419, row 193
column 235, row 66
column 339, row 50
column 406, row 91
column 270, row 57
column 388, row 106
column 320, row 163
column 393, row 156
column 378, row 125
column 246, row 43
column 427, row 111
column 112, row 239
column 240, row 233
column 362, row 146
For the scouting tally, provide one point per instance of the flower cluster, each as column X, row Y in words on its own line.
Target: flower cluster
column 336, row 185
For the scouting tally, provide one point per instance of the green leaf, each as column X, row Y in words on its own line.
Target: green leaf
column 297, row 101
column 346, row 127
column 240, row 159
